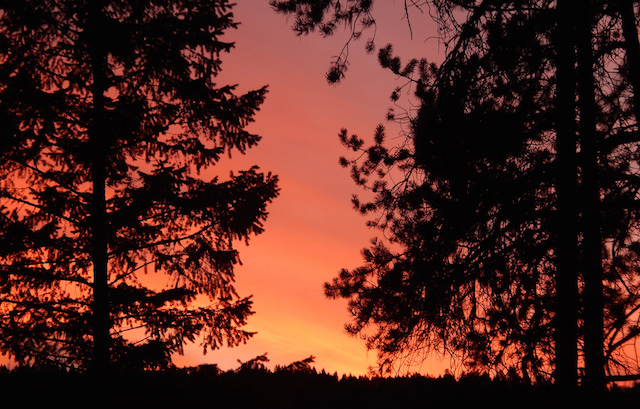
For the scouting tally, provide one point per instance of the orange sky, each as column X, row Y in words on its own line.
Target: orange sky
column 312, row 231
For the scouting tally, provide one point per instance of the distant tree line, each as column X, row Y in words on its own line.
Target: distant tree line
column 297, row 385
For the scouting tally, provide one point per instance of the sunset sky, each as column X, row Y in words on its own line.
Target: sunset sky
column 312, row 231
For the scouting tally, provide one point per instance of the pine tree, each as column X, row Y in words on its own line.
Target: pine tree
column 510, row 206
column 117, row 236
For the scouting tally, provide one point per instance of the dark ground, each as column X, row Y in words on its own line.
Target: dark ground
column 207, row 387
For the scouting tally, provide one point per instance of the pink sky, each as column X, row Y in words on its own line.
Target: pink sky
column 312, row 231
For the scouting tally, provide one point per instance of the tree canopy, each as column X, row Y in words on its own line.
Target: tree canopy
column 496, row 178
column 117, row 229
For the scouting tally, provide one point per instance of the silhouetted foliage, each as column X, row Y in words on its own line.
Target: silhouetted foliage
column 117, row 238
column 254, row 364
column 302, row 366
column 471, row 211
column 468, row 200
column 192, row 387
column 326, row 17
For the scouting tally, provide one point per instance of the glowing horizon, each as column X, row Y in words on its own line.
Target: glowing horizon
column 312, row 231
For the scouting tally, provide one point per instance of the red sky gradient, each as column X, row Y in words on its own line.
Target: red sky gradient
column 312, row 231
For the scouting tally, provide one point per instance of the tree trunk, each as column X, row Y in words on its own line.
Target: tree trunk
column 566, row 304
column 98, row 216
column 593, row 301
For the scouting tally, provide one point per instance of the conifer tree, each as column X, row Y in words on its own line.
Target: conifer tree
column 117, row 231
column 513, row 212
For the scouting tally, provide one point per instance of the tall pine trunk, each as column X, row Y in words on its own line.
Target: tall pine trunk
column 566, row 303
column 593, row 301
column 98, row 216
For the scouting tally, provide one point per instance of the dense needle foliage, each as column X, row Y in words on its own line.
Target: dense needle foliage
column 112, row 122
column 468, row 200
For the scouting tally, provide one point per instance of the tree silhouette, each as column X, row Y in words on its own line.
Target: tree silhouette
column 506, row 211
column 117, row 240
column 472, row 211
